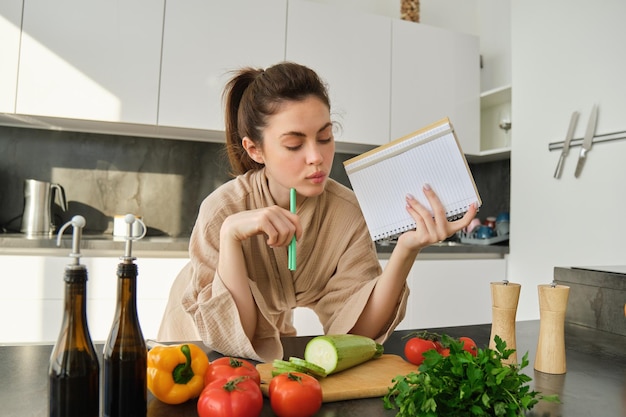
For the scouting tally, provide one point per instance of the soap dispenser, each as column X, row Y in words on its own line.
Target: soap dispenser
column 74, row 369
column 125, row 351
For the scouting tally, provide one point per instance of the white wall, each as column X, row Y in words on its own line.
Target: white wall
column 566, row 55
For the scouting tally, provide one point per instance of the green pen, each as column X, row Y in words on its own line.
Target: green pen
column 292, row 245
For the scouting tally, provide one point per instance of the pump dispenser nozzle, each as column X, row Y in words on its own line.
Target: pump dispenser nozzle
column 130, row 219
column 78, row 222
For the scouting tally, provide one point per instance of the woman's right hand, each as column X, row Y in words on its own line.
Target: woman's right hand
column 277, row 223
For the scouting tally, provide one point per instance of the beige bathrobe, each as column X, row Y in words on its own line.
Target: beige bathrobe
column 337, row 268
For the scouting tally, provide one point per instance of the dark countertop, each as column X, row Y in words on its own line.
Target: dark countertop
column 177, row 247
column 594, row 384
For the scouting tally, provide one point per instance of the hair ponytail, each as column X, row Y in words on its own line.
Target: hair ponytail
column 239, row 160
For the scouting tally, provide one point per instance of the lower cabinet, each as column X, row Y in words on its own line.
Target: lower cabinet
column 33, row 293
column 444, row 292
column 306, row 322
column 451, row 292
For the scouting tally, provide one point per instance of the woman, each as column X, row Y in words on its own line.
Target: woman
column 237, row 292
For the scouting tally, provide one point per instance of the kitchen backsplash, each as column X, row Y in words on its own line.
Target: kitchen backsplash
column 162, row 180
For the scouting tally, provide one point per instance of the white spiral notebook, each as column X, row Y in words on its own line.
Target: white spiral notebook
column 381, row 178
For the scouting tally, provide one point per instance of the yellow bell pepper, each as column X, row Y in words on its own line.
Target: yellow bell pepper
column 176, row 372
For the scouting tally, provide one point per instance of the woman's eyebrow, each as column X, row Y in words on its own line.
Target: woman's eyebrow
column 326, row 126
column 301, row 134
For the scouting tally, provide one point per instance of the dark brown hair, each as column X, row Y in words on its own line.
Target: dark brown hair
column 254, row 94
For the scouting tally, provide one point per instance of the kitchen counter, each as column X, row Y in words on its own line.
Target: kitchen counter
column 594, row 384
column 177, row 247
column 95, row 246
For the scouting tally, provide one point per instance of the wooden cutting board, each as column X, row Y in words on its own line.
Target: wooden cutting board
column 370, row 379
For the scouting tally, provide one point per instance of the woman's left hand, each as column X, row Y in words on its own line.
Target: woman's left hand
column 431, row 228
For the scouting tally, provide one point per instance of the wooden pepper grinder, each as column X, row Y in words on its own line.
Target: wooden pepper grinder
column 550, row 357
column 504, row 298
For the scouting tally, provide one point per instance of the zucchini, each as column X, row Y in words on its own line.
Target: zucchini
column 311, row 368
column 288, row 366
column 336, row 353
column 294, row 364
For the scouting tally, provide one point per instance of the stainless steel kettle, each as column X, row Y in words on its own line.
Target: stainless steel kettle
column 39, row 197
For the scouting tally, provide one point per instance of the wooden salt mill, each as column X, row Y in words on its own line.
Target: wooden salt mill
column 504, row 298
column 550, row 357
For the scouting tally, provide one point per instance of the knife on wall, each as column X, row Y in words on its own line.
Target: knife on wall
column 568, row 139
column 587, row 141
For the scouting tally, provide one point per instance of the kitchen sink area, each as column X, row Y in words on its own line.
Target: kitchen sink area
column 451, row 249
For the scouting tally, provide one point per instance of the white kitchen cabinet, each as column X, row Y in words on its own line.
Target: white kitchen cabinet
column 10, row 26
column 451, row 292
column 91, row 60
column 203, row 42
column 443, row 292
column 306, row 322
column 495, row 44
column 351, row 51
column 435, row 73
column 33, row 289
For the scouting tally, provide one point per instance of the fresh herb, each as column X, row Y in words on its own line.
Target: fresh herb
column 463, row 385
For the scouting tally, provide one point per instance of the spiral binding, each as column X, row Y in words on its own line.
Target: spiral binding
column 450, row 215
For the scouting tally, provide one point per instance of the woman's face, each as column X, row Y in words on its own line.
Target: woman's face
column 298, row 149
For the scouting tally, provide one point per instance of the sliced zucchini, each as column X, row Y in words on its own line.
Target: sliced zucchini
column 335, row 353
column 288, row 366
column 311, row 368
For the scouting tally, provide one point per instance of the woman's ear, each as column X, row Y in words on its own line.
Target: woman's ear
column 253, row 151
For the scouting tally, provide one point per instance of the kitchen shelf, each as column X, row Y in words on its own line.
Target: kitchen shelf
column 492, row 104
column 495, row 97
column 491, row 155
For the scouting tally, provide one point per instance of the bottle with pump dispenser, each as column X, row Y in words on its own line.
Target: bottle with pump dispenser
column 74, row 384
column 125, row 352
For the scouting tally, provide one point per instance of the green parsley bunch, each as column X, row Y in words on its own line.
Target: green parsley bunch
column 463, row 385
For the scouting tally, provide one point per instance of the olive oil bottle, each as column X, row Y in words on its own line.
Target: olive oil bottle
column 125, row 352
column 74, row 369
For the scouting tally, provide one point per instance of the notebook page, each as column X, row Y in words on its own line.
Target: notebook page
column 382, row 180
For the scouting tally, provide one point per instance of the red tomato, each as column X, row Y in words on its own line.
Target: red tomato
column 415, row 347
column 227, row 367
column 234, row 397
column 469, row 345
column 445, row 352
column 295, row 394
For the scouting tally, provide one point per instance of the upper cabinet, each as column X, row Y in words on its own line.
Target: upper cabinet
column 495, row 44
column 496, row 91
column 351, row 52
column 94, row 60
column 435, row 74
column 10, row 22
column 203, row 41
column 158, row 68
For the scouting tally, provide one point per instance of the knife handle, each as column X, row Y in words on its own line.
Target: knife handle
column 559, row 167
column 580, row 165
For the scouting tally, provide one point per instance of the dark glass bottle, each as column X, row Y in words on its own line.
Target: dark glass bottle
column 74, row 384
column 125, row 352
